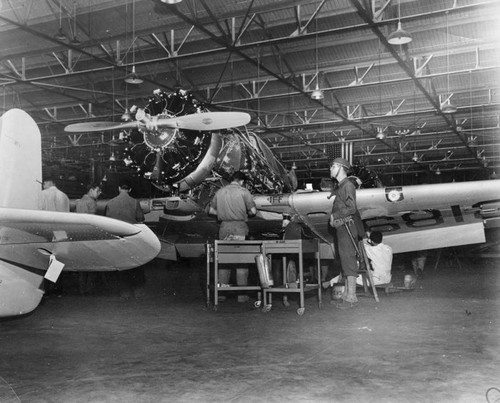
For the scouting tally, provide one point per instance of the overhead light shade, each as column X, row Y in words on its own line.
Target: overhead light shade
column 133, row 78
column 127, row 117
column 60, row 35
column 171, row 1
column 317, row 93
column 399, row 36
column 75, row 41
column 449, row 108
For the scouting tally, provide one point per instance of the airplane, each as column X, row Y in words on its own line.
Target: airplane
column 191, row 164
column 37, row 245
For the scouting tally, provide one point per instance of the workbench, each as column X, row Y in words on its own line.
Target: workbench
column 243, row 251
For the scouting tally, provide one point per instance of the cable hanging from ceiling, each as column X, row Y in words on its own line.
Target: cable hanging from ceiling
column 317, row 94
column 60, row 36
column 447, row 107
column 133, row 78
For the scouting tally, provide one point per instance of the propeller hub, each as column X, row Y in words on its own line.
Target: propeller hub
column 159, row 139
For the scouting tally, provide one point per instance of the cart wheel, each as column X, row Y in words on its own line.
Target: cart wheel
column 257, row 304
column 301, row 311
column 267, row 308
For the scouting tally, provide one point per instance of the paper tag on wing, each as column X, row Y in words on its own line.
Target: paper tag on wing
column 59, row 236
column 54, row 270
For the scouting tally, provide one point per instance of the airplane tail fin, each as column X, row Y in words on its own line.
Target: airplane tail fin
column 20, row 160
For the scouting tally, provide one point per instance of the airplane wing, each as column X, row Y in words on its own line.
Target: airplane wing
column 410, row 217
column 82, row 242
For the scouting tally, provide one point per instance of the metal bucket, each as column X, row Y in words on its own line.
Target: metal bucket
column 409, row 281
column 264, row 268
column 338, row 290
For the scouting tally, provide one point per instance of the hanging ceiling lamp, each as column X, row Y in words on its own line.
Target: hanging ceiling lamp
column 399, row 36
column 60, row 34
column 171, row 1
column 74, row 41
column 447, row 107
column 317, row 94
column 133, row 78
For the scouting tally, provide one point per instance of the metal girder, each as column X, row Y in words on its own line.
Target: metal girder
column 365, row 15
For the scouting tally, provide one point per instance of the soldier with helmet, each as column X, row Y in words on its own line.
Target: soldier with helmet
column 343, row 212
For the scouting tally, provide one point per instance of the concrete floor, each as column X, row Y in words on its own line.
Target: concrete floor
column 438, row 343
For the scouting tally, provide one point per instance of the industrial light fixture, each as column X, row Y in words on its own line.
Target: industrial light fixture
column 74, row 41
column 317, row 94
column 415, row 157
column 294, row 165
column 448, row 108
column 171, row 1
column 380, row 133
column 60, row 34
column 399, row 36
column 133, row 77
column 126, row 117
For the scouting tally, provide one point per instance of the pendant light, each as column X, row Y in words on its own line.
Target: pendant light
column 399, row 36
column 448, row 108
column 74, row 41
column 317, row 94
column 60, row 34
column 133, row 78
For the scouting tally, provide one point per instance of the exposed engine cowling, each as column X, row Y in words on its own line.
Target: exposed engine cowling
column 183, row 159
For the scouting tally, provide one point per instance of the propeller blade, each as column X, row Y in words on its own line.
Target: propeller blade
column 98, row 126
column 209, row 121
column 196, row 121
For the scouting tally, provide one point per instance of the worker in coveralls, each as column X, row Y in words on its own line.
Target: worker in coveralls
column 342, row 218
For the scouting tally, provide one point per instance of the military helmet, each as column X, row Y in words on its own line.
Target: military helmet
column 343, row 162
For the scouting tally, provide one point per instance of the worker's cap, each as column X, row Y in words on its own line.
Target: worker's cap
column 343, row 162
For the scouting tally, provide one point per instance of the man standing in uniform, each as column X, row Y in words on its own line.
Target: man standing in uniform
column 52, row 199
column 88, row 205
column 125, row 208
column 233, row 204
column 342, row 219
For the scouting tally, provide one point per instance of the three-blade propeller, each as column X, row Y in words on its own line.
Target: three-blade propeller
column 198, row 121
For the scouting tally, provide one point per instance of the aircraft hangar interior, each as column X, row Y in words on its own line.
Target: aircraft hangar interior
column 172, row 97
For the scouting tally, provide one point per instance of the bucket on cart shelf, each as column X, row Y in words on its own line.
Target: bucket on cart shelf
column 264, row 268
